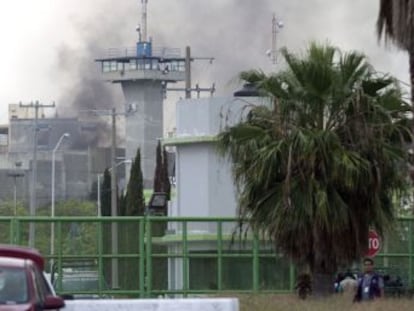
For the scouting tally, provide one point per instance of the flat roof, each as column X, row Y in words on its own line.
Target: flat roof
column 21, row 252
column 11, row 262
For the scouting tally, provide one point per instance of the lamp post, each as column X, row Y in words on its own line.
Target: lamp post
column 52, row 231
column 114, row 226
column 98, row 186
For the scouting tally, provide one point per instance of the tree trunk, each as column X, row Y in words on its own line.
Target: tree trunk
column 411, row 61
column 323, row 265
column 322, row 284
column 323, row 275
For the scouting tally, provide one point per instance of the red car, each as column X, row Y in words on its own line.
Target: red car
column 23, row 286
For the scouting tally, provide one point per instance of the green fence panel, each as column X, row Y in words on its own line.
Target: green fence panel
column 174, row 256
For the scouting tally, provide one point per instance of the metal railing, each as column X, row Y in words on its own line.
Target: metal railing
column 173, row 256
column 162, row 52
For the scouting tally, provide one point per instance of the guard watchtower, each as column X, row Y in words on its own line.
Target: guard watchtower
column 143, row 72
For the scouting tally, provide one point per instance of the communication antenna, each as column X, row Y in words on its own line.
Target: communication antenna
column 143, row 30
column 276, row 25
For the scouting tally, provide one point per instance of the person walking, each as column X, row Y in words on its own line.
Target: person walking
column 370, row 284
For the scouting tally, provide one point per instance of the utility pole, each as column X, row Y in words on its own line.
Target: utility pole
column 187, row 87
column 34, row 105
column 114, row 196
column 187, row 72
column 114, row 207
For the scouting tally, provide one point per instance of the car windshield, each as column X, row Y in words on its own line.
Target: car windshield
column 13, row 286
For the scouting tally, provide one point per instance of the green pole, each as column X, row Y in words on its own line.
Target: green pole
column 185, row 259
column 255, row 262
column 17, row 232
column 219, row 255
column 292, row 276
column 100, row 257
column 148, row 240
column 13, row 231
column 60, row 254
column 410, row 251
column 142, row 257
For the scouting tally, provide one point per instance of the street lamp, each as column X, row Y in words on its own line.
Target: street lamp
column 98, row 199
column 114, row 226
column 52, row 231
column 158, row 204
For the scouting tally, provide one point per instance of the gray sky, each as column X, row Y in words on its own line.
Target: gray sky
column 48, row 46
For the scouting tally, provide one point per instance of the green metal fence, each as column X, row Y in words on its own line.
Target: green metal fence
column 152, row 256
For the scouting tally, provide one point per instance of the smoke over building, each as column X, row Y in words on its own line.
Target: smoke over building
column 235, row 32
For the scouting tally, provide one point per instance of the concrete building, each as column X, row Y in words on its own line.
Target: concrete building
column 78, row 159
column 18, row 112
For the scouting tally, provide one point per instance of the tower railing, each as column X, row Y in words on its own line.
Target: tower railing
column 131, row 52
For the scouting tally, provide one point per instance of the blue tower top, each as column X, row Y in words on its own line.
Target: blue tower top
column 143, row 62
column 144, row 49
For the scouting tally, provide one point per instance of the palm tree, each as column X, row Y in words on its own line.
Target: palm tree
column 395, row 22
column 317, row 169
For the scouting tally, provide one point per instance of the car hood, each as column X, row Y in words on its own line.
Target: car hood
column 15, row 307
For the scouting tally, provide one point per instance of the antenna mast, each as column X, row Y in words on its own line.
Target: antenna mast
column 276, row 25
column 144, row 20
column 274, row 33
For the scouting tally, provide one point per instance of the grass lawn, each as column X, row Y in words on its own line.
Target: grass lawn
column 335, row 303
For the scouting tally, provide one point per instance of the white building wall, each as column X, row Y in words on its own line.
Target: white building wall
column 220, row 186
column 205, row 187
column 194, row 171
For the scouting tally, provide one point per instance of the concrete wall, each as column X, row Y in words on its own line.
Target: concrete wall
column 21, row 134
column 144, row 126
column 188, row 304
column 208, row 116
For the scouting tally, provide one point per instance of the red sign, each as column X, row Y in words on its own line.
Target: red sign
column 374, row 243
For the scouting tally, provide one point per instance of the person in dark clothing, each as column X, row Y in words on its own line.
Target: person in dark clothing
column 370, row 284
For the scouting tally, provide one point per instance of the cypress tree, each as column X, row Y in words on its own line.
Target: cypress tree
column 135, row 202
column 106, row 194
column 158, row 177
column 106, row 211
column 134, row 206
column 161, row 180
column 165, row 178
column 122, row 204
column 161, row 184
